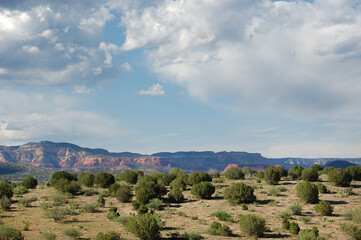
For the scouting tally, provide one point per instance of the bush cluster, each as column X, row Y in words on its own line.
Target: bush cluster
column 223, row 216
column 104, row 179
column 86, row 179
column 130, row 176
column 197, row 177
column 239, row 193
column 219, row 229
column 321, row 188
column 124, row 193
column 273, row 174
column 294, row 228
column 55, row 177
column 203, row 190
column 234, row 173
column 9, row 233
column 309, row 234
column 324, row 208
column 295, row 172
column 307, row 192
column 352, row 230
column 355, row 172
column 339, row 177
column 252, row 225
column 30, row 182
column 148, row 189
column 66, row 186
column 310, row 175
column 295, row 209
column 175, row 195
column 108, row 236
column 144, row 226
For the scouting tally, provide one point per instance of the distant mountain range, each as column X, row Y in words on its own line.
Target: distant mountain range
column 67, row 156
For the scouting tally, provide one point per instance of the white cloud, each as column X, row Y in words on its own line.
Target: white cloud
column 66, row 37
column 81, row 90
column 34, row 117
column 126, row 67
column 290, row 56
column 154, row 90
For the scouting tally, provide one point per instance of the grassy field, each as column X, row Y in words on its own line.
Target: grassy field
column 191, row 215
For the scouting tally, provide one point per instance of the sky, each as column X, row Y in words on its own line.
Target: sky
column 281, row 78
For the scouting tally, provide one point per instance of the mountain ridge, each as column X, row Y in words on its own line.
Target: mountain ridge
column 47, row 154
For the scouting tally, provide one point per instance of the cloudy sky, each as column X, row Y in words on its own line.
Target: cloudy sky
column 282, row 78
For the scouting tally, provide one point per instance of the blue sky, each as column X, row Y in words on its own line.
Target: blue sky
column 282, row 78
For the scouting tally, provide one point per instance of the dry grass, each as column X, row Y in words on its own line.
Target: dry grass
column 192, row 215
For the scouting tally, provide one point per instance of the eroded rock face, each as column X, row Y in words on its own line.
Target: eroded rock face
column 52, row 155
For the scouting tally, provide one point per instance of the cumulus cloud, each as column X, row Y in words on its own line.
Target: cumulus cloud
column 154, row 90
column 292, row 56
column 51, row 43
column 32, row 116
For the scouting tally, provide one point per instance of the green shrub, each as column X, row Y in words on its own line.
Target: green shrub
column 55, row 177
column 144, row 226
column 163, row 178
column 219, row 229
column 294, row 228
column 5, row 189
column 108, row 236
column 260, row 174
column 104, row 179
column 90, row 208
column 143, row 209
column 48, row 235
column 244, row 206
column 71, row 232
column 273, row 174
column 156, row 204
column 239, row 193
column 101, row 201
column 310, row 175
column 124, row 193
column 326, row 170
column 25, row 202
column 20, row 190
column 275, row 191
column 5, row 203
column 175, row 195
column 295, row 172
column 345, row 192
column 252, row 225
column 307, row 192
column 234, row 173
column 66, row 186
column 203, row 190
column 113, row 189
column 295, row 209
column 30, row 182
column 59, row 198
column 148, row 189
column 191, row 235
column 26, row 225
column 223, row 216
column 285, row 215
column 198, row 177
column 309, row 234
column 9, row 233
column 112, row 213
column 128, row 176
column 352, row 230
column 86, row 179
column 57, row 213
column 324, row 208
column 304, row 219
column 178, row 183
column 286, row 224
column 356, row 215
column 355, row 172
column 73, row 204
column 317, row 167
column 339, row 177
column 90, row 192
column 321, row 188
